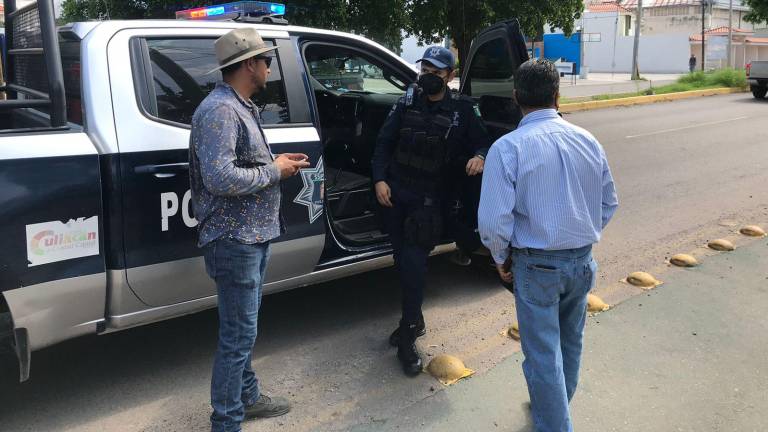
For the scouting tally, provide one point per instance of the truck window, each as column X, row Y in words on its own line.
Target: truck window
column 342, row 69
column 31, row 72
column 492, row 70
column 70, row 63
column 180, row 83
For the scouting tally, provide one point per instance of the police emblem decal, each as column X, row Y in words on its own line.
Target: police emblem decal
column 311, row 195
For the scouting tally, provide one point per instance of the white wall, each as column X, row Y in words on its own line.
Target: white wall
column 667, row 53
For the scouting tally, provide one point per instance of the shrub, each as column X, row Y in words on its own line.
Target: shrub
column 719, row 78
column 728, row 78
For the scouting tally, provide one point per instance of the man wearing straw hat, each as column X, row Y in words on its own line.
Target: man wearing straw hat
column 235, row 182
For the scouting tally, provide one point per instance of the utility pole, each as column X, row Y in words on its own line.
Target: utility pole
column 730, row 34
column 703, row 11
column 638, row 23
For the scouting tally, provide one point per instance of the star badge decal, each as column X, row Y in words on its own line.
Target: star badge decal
column 311, row 195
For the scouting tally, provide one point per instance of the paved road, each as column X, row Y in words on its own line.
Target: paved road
column 688, row 356
column 686, row 171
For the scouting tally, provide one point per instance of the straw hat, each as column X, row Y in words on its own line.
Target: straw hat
column 238, row 45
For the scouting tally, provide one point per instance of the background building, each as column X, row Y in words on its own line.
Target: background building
column 670, row 33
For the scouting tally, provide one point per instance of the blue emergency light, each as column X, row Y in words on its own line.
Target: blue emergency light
column 241, row 8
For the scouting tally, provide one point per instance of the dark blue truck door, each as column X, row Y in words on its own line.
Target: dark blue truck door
column 494, row 56
column 489, row 78
column 154, row 99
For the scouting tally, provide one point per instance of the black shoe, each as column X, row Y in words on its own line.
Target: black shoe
column 460, row 258
column 394, row 338
column 266, row 406
column 407, row 352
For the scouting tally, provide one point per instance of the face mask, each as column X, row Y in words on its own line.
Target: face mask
column 431, row 83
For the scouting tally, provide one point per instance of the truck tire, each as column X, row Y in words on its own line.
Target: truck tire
column 8, row 362
column 759, row 92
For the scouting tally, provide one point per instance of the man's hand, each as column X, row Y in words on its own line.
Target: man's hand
column 504, row 270
column 289, row 164
column 384, row 194
column 475, row 166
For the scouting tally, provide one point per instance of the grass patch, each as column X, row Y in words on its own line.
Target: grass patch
column 693, row 81
column 721, row 78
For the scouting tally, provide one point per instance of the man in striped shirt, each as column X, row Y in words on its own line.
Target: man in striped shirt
column 547, row 195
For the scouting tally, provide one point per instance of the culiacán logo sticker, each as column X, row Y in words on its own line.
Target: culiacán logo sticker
column 54, row 241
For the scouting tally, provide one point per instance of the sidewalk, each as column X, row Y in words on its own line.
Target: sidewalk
column 606, row 83
column 687, row 356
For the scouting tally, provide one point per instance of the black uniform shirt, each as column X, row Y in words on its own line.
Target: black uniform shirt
column 468, row 136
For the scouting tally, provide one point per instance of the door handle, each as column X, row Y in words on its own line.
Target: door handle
column 163, row 170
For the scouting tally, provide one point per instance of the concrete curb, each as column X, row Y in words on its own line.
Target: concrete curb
column 642, row 100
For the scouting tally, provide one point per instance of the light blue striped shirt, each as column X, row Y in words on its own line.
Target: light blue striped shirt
column 546, row 185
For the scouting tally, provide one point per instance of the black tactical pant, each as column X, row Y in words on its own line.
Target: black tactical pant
column 410, row 258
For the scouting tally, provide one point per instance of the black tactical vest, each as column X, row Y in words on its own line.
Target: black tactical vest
column 422, row 152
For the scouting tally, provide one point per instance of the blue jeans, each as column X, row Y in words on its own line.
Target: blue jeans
column 551, row 299
column 238, row 270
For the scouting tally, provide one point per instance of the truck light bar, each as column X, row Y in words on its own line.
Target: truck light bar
column 241, row 8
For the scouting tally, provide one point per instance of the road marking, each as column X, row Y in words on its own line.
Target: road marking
column 686, row 127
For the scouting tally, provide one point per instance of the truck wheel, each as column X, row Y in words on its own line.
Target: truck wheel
column 9, row 365
column 759, row 92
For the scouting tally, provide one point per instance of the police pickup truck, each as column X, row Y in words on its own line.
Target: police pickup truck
column 95, row 219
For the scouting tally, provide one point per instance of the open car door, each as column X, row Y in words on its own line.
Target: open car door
column 489, row 79
column 489, row 76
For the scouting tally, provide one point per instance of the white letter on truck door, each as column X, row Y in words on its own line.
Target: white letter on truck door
column 189, row 221
column 169, row 206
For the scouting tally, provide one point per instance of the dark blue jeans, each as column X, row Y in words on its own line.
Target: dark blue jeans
column 238, row 270
column 551, row 300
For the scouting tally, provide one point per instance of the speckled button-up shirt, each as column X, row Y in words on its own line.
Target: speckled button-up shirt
column 235, row 184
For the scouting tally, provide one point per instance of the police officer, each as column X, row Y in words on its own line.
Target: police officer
column 431, row 138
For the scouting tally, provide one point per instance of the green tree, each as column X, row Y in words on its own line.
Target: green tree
column 328, row 14
column 80, row 10
column 759, row 11
column 380, row 20
column 462, row 20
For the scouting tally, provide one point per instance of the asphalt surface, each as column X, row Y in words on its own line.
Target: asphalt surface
column 686, row 356
column 686, row 171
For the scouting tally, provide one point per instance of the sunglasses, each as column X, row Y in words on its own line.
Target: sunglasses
column 267, row 60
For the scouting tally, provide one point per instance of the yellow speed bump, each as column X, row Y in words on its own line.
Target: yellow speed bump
column 752, row 231
column 683, row 260
column 448, row 369
column 596, row 304
column 643, row 280
column 721, row 245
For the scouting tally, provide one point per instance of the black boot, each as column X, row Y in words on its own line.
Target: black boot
column 421, row 330
column 407, row 352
